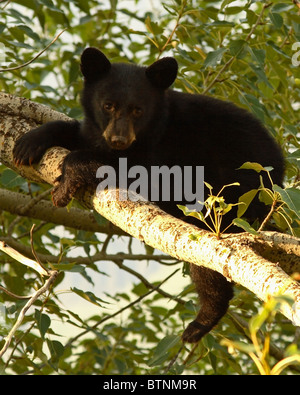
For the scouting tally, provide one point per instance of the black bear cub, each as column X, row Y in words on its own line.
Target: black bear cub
column 130, row 113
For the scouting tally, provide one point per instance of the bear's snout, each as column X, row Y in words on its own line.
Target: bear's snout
column 119, row 142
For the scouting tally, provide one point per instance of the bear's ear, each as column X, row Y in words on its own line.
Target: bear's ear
column 94, row 64
column 163, row 72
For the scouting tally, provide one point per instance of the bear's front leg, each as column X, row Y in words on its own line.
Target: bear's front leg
column 78, row 170
column 30, row 147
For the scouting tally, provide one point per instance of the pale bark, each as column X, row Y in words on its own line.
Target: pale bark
column 244, row 259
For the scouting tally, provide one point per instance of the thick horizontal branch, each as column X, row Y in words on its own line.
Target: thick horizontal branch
column 237, row 257
column 25, row 205
column 240, row 258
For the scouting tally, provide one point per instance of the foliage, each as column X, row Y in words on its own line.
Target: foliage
column 244, row 52
column 215, row 209
column 259, row 350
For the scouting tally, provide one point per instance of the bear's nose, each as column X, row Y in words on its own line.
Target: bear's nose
column 119, row 142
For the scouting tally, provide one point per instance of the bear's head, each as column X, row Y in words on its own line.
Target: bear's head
column 124, row 100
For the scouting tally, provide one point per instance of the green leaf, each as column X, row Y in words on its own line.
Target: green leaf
column 72, row 267
column 251, row 17
column 276, row 19
column 140, row 289
column 233, row 10
column 266, row 196
column 238, row 48
column 282, row 221
column 291, row 197
column 49, row 4
column 261, row 75
column 208, row 186
column 214, row 57
column 244, row 225
column 294, row 156
column 199, row 215
column 153, row 27
column 10, row 179
column 246, row 199
column 257, row 321
column 29, row 32
column 89, row 296
column 252, row 166
column 233, row 184
column 56, row 349
column 225, row 3
column 254, row 105
column 239, row 345
column 282, row 7
column 162, row 350
column 259, row 55
column 43, row 322
column 221, row 24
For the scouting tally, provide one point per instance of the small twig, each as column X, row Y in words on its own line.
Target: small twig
column 9, row 293
column 190, row 354
column 129, row 305
column 173, row 360
column 37, row 56
column 175, row 28
column 99, row 256
column 5, row 5
column 265, row 6
column 33, row 250
column 36, row 229
column 228, row 63
column 106, row 242
column 265, row 221
column 147, row 284
column 30, row 302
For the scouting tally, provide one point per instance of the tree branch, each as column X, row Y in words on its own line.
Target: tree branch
column 35, row 57
column 240, row 258
column 25, row 205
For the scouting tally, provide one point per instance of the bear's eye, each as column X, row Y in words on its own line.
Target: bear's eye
column 137, row 112
column 108, row 106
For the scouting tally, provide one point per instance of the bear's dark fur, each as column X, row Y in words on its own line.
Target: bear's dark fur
column 130, row 113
